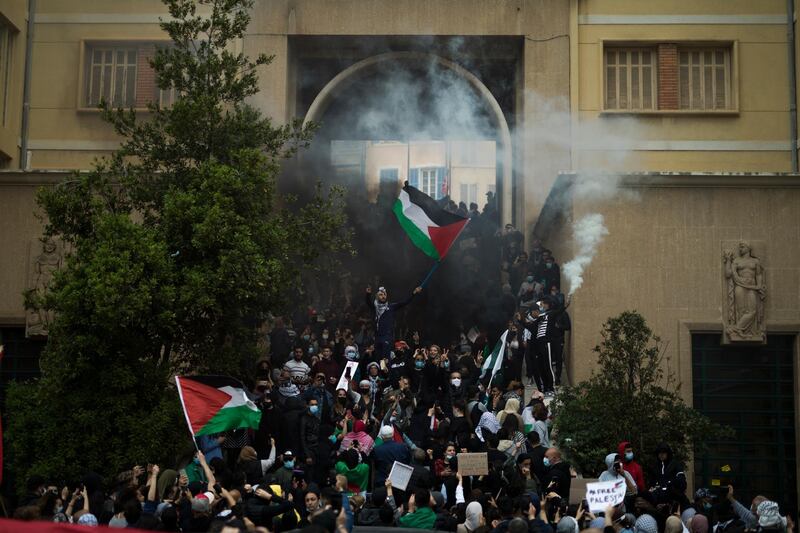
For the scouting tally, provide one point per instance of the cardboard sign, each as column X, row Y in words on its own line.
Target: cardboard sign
column 473, row 464
column 347, row 374
column 604, row 493
column 400, row 475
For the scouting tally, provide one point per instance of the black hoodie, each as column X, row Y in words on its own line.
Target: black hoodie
column 669, row 474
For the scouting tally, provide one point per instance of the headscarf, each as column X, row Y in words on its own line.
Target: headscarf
column 567, row 525
column 288, row 390
column 487, row 422
column 473, row 513
column 365, row 442
column 646, row 524
column 248, row 453
column 769, row 516
column 699, row 524
column 88, row 519
column 165, row 481
column 687, row 515
column 673, row 525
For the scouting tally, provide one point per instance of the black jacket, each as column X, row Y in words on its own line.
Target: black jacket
column 384, row 326
column 558, row 473
column 309, row 435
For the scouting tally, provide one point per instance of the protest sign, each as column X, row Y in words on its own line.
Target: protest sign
column 347, row 374
column 604, row 493
column 473, row 464
column 400, row 475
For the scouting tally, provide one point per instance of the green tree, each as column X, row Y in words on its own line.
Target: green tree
column 630, row 398
column 179, row 246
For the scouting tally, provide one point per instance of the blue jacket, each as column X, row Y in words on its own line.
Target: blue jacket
column 385, row 455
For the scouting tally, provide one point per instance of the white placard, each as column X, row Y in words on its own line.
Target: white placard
column 343, row 381
column 400, row 475
column 604, row 493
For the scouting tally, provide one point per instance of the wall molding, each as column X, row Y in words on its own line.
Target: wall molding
column 72, row 145
column 664, row 145
column 100, row 18
column 682, row 19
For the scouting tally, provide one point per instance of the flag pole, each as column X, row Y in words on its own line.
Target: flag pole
column 185, row 412
column 430, row 273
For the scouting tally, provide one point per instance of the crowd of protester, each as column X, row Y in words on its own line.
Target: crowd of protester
column 320, row 460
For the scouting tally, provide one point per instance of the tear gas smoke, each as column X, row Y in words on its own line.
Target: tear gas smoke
column 588, row 233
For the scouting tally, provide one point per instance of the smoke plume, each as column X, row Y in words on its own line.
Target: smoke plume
column 588, row 233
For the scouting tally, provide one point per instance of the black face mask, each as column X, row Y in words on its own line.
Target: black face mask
column 341, row 400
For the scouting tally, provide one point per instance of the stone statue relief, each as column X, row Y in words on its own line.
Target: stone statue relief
column 43, row 268
column 745, row 293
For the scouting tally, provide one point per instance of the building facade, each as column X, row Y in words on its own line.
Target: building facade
column 675, row 120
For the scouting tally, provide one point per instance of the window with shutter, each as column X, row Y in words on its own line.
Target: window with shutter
column 630, row 78
column 388, row 175
column 5, row 68
column 469, row 193
column 704, row 78
column 111, row 75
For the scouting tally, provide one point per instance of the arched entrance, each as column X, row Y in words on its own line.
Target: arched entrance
column 350, row 76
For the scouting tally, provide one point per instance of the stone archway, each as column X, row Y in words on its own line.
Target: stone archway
column 352, row 73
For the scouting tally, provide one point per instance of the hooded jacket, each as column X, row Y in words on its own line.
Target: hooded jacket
column 632, row 467
column 669, row 474
column 611, row 475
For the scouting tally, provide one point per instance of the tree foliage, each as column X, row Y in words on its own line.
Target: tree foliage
column 631, row 398
column 178, row 247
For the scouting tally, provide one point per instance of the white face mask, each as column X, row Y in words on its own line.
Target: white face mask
column 456, row 382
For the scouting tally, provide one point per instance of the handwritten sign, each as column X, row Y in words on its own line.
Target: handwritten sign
column 473, row 464
column 604, row 493
column 347, row 374
column 400, row 475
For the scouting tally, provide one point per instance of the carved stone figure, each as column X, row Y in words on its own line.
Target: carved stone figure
column 745, row 293
column 44, row 266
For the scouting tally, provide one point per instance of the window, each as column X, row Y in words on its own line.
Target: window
column 111, row 75
column 167, row 97
column 5, row 68
column 469, row 193
column 630, row 78
column 704, row 78
column 427, row 182
column 752, row 389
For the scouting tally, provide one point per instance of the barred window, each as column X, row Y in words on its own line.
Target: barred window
column 111, row 76
column 630, row 78
column 704, row 78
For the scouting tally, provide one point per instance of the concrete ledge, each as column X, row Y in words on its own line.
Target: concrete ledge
column 33, row 177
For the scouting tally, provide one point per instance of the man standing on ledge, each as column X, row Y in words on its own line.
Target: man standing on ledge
column 384, row 318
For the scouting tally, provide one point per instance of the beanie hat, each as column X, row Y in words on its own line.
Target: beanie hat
column 646, row 524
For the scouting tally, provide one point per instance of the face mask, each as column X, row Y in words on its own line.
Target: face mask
column 446, row 364
column 289, row 464
column 60, row 509
column 529, row 279
column 314, row 409
column 419, row 364
column 549, row 265
column 310, row 350
column 196, row 461
column 449, row 456
column 306, row 337
column 342, row 400
column 707, row 506
column 542, row 309
column 629, row 456
column 546, row 462
column 324, row 336
column 456, row 382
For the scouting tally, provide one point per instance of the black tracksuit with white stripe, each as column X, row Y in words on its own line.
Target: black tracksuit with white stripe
column 547, row 348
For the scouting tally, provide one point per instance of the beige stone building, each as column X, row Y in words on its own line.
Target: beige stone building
column 675, row 120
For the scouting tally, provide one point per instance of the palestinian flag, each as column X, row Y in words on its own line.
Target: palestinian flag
column 213, row 404
column 432, row 229
column 494, row 361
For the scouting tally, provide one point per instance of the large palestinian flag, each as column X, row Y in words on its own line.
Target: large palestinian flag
column 432, row 229
column 213, row 404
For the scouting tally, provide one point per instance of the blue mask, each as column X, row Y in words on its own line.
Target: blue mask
column 629, row 456
column 446, row 364
column 707, row 506
column 196, row 461
column 314, row 409
column 289, row 464
column 546, row 462
column 419, row 364
column 542, row 309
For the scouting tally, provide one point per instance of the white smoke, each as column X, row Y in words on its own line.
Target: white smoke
column 588, row 233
